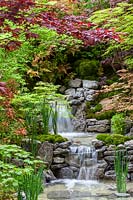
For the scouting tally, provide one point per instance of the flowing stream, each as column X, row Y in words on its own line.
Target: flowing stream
column 84, row 186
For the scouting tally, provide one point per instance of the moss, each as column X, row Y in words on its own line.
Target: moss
column 87, row 69
column 51, row 138
column 105, row 115
column 102, row 137
column 97, row 108
column 114, row 139
column 100, row 116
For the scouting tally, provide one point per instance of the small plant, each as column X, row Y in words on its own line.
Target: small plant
column 121, row 170
column 30, row 185
column 115, row 139
column 118, row 124
column 14, row 163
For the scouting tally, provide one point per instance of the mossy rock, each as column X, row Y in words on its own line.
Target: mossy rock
column 51, row 138
column 114, row 139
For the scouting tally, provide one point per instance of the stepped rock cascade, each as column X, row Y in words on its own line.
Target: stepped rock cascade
column 86, row 158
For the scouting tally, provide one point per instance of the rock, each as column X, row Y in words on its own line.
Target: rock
column 109, row 159
column 100, row 173
column 111, row 148
column 97, row 128
column 46, row 152
column 122, row 194
column 100, row 152
column 89, row 98
column 74, row 109
column 75, row 102
column 79, row 124
column 88, row 92
column 65, row 173
column 62, row 89
column 79, row 93
column 102, row 164
column 121, row 146
column 58, row 166
column 101, row 126
column 70, row 92
column 48, row 176
column 97, row 143
column 129, row 144
column 109, row 153
column 130, row 152
column 130, row 191
column 60, row 151
column 65, row 145
column 130, row 167
column 75, row 83
column 110, row 175
column 58, row 160
column 90, row 84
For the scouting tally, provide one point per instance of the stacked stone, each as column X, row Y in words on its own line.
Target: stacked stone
column 106, row 157
column 56, row 158
column 78, row 93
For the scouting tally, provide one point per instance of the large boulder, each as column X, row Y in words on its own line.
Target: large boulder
column 46, row 152
column 65, row 173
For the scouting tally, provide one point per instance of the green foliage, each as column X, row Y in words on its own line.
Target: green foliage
column 118, row 124
column 102, row 115
column 114, row 139
column 97, row 108
column 31, row 185
column 87, row 69
column 102, row 137
column 14, row 163
column 121, row 19
column 88, row 4
column 121, row 170
column 43, row 58
column 51, row 138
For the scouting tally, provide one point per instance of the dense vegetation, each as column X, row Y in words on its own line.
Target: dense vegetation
column 44, row 44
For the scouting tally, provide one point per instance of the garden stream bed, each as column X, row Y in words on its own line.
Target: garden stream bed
column 74, row 189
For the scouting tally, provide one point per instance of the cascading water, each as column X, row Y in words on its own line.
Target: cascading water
column 84, row 157
column 63, row 120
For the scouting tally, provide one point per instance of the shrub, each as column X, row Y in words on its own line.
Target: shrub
column 51, row 138
column 118, row 124
column 102, row 137
column 114, row 139
column 87, row 69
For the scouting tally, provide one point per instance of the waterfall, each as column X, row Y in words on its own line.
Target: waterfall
column 84, row 157
column 63, row 119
